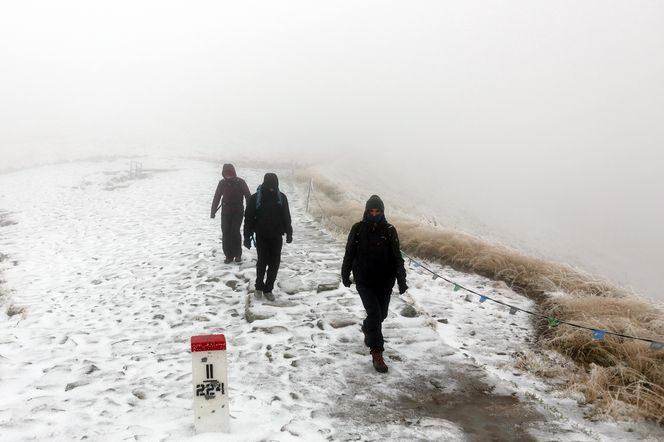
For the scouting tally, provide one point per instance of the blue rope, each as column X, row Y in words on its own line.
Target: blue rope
column 655, row 345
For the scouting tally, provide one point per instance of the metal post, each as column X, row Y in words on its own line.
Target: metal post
column 311, row 181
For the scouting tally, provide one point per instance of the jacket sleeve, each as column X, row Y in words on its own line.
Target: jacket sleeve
column 351, row 251
column 216, row 199
column 249, row 216
column 287, row 218
column 399, row 269
column 246, row 192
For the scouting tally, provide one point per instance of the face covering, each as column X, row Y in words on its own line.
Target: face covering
column 374, row 218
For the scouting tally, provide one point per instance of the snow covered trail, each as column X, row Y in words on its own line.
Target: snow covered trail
column 116, row 274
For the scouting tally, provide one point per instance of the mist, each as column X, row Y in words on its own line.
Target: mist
column 536, row 124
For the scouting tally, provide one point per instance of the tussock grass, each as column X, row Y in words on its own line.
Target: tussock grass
column 13, row 310
column 5, row 299
column 621, row 378
column 3, row 293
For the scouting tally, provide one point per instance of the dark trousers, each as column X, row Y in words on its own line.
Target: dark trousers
column 231, row 240
column 269, row 257
column 376, row 301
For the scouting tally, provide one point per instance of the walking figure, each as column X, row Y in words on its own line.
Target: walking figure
column 231, row 190
column 374, row 256
column 268, row 216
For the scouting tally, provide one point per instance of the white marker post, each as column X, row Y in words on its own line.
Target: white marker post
column 210, row 379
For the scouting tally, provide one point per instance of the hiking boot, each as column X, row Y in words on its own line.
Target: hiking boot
column 269, row 296
column 238, row 259
column 228, row 260
column 258, row 293
column 378, row 361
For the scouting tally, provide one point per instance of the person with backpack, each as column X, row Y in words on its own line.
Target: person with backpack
column 268, row 216
column 231, row 191
column 373, row 255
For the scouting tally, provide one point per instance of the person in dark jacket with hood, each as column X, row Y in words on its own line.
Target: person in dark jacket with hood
column 231, row 190
column 268, row 216
column 373, row 255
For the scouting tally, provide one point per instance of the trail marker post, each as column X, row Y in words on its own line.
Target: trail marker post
column 311, row 183
column 210, row 382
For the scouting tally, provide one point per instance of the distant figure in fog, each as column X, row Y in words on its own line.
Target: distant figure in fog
column 268, row 216
column 231, row 190
column 374, row 256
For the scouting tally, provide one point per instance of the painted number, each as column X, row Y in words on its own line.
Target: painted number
column 210, row 386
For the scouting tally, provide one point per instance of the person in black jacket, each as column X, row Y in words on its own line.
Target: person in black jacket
column 374, row 256
column 268, row 216
column 233, row 190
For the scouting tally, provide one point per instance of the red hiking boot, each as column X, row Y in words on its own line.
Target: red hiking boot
column 378, row 361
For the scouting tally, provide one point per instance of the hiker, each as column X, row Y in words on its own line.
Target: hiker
column 374, row 256
column 233, row 189
column 269, row 218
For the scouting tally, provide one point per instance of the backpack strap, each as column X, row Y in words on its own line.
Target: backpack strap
column 357, row 232
column 390, row 231
column 259, row 197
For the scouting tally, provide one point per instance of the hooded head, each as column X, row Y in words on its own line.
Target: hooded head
column 228, row 171
column 270, row 181
column 374, row 202
column 269, row 190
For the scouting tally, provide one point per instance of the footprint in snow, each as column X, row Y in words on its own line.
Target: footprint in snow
column 276, row 329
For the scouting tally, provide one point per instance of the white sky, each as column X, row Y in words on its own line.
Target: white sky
column 555, row 109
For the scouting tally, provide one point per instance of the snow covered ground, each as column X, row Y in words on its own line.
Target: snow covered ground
column 108, row 276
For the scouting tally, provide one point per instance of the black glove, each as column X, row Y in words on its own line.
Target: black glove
column 247, row 242
column 212, row 216
column 289, row 239
column 345, row 280
column 402, row 288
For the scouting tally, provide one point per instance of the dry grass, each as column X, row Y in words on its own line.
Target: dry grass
column 3, row 293
column 13, row 310
column 622, row 378
column 5, row 300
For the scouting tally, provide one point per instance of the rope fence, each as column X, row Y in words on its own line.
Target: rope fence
column 597, row 333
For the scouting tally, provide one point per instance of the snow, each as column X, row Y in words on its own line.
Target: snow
column 116, row 273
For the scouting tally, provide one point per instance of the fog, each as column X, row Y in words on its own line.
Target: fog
column 538, row 124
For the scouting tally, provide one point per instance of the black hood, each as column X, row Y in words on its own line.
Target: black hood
column 270, row 181
column 374, row 202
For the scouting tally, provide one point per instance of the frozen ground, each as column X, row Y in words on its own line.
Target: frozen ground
column 107, row 277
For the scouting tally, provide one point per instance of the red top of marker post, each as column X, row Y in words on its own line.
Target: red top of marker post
column 208, row 343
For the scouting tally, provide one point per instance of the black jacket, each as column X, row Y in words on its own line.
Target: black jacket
column 374, row 255
column 270, row 218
